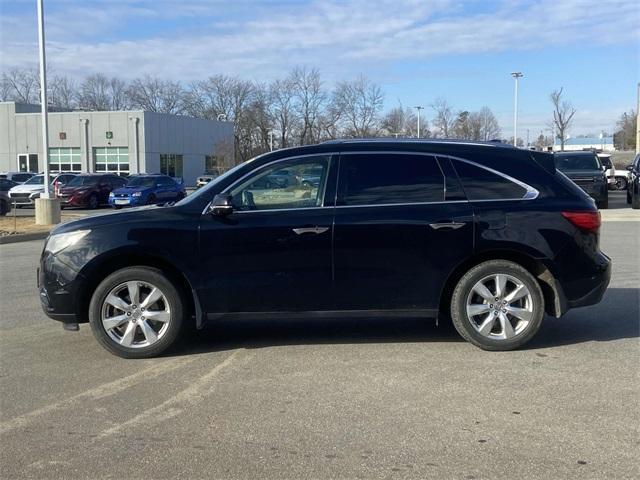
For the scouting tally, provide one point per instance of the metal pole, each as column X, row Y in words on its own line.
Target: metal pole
column 638, row 122
column 43, row 99
column 419, row 107
column 515, row 75
column 271, row 140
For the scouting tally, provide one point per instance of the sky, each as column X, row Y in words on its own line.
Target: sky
column 416, row 50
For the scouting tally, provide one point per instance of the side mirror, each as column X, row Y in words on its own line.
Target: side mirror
column 221, row 206
column 630, row 167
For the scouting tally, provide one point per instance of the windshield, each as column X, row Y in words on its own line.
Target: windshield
column 36, row 180
column 142, row 182
column 577, row 162
column 82, row 180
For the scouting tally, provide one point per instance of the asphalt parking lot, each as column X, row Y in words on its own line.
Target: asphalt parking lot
column 373, row 398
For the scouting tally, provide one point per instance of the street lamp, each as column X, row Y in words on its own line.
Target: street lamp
column 47, row 206
column 419, row 107
column 516, row 76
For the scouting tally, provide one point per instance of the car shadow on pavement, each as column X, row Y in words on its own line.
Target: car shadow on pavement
column 616, row 317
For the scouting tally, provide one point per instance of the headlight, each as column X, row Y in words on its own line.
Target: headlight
column 60, row 241
column 111, row 195
column 136, row 194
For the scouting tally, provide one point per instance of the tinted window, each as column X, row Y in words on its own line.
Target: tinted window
column 282, row 186
column 166, row 181
column 481, row 184
column 577, row 162
column 142, row 182
column 387, row 178
column 81, row 180
column 22, row 177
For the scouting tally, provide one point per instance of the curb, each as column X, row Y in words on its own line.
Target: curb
column 25, row 237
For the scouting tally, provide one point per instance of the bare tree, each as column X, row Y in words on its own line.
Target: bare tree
column 444, row 117
column 461, row 126
column 563, row 113
column 402, row 122
column 284, row 115
column 98, row 92
column 625, row 136
column 360, row 102
column 310, row 99
column 63, row 93
column 156, row 95
column 484, row 125
column 21, row 85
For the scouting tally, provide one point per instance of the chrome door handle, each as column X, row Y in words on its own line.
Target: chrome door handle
column 447, row 225
column 316, row 230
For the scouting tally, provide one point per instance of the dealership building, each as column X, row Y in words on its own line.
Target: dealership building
column 122, row 142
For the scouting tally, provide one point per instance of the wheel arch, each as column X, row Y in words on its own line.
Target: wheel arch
column 102, row 267
column 554, row 301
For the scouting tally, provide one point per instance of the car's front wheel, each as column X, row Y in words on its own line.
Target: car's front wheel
column 136, row 312
column 497, row 305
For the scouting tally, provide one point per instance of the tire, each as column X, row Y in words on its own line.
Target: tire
column 129, row 336
column 495, row 337
column 628, row 196
column 621, row 183
column 151, row 200
column 93, row 202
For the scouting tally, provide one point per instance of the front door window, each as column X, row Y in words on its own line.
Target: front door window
column 291, row 184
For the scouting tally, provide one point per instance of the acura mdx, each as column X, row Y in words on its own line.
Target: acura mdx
column 489, row 236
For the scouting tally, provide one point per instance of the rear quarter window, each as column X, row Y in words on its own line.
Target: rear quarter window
column 481, row 184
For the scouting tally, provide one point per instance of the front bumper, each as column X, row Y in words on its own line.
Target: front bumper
column 118, row 202
column 59, row 288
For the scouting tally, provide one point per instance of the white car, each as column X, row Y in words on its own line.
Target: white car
column 616, row 179
column 26, row 194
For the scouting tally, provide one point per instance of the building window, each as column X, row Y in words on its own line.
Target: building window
column 171, row 164
column 112, row 160
column 212, row 165
column 65, row 159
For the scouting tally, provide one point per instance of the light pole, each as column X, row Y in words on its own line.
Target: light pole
column 419, row 107
column 516, row 76
column 47, row 208
column 271, row 140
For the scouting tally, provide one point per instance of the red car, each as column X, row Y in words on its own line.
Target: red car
column 89, row 190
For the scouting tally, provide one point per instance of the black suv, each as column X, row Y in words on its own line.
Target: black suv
column 585, row 169
column 488, row 235
column 633, row 185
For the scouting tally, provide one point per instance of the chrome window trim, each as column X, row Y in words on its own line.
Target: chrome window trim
column 530, row 193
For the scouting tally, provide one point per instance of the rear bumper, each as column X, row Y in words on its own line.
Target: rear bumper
column 596, row 293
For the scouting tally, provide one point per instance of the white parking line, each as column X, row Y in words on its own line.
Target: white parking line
column 174, row 405
column 100, row 391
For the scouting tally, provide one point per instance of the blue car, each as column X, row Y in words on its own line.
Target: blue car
column 147, row 190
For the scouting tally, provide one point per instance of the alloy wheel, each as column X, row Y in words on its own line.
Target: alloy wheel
column 135, row 314
column 499, row 306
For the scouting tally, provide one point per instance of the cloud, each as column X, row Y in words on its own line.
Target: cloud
column 262, row 40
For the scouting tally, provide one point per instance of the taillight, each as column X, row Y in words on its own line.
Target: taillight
column 588, row 221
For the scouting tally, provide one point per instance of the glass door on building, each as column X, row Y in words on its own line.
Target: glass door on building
column 28, row 162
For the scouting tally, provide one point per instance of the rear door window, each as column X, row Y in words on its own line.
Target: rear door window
column 482, row 184
column 389, row 178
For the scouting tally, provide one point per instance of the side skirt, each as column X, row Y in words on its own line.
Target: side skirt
column 428, row 313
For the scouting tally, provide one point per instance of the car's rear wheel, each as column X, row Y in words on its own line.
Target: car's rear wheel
column 136, row 312
column 497, row 305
